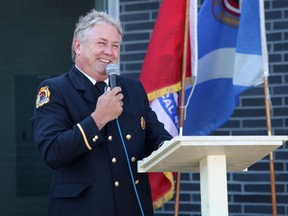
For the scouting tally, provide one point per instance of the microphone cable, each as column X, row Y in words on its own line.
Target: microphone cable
column 112, row 71
column 129, row 166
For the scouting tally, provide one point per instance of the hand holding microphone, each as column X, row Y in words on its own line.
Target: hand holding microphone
column 109, row 105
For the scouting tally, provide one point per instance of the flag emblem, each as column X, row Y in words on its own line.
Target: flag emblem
column 43, row 96
column 226, row 12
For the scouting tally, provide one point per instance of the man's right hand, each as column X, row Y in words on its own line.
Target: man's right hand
column 109, row 107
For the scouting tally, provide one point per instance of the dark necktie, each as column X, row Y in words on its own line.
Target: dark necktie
column 100, row 85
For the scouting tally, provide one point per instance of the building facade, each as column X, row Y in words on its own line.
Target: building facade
column 36, row 43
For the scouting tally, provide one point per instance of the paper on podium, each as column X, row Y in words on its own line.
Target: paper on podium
column 183, row 153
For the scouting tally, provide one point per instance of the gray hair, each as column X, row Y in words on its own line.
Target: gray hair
column 85, row 23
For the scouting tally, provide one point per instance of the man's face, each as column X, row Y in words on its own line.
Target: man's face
column 101, row 48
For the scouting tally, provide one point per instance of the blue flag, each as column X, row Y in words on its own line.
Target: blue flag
column 232, row 58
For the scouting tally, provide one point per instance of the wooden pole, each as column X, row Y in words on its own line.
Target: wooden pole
column 177, row 196
column 184, row 68
column 267, row 103
column 271, row 158
column 182, row 101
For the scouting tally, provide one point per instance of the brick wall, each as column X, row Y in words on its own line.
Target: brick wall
column 248, row 192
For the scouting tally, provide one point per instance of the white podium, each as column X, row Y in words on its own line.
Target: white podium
column 213, row 157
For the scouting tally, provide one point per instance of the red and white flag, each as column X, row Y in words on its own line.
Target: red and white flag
column 161, row 76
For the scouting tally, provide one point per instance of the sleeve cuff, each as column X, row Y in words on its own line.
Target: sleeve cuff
column 84, row 137
column 90, row 133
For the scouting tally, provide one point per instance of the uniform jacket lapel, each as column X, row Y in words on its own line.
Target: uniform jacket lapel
column 83, row 85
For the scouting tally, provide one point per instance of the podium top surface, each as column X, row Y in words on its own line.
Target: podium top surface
column 183, row 153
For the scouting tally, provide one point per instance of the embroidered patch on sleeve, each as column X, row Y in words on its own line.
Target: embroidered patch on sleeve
column 43, row 96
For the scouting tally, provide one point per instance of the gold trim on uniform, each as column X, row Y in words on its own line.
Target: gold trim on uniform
column 43, row 96
column 143, row 123
column 84, row 136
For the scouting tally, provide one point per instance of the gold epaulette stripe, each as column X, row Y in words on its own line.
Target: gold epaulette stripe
column 84, row 136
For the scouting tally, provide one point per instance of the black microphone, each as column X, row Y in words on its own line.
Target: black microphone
column 112, row 71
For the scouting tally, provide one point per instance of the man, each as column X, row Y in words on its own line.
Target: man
column 83, row 134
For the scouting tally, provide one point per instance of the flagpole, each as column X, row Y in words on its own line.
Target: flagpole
column 271, row 157
column 182, row 101
column 267, row 103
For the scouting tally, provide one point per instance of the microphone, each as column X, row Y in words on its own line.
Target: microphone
column 112, row 71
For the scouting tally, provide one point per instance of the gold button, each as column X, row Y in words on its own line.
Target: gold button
column 110, row 138
column 128, row 137
column 114, row 160
column 117, row 183
column 137, row 182
column 133, row 159
column 95, row 138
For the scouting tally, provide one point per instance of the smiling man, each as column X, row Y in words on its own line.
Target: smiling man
column 92, row 140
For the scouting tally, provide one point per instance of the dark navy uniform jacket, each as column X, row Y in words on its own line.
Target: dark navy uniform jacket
column 90, row 171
